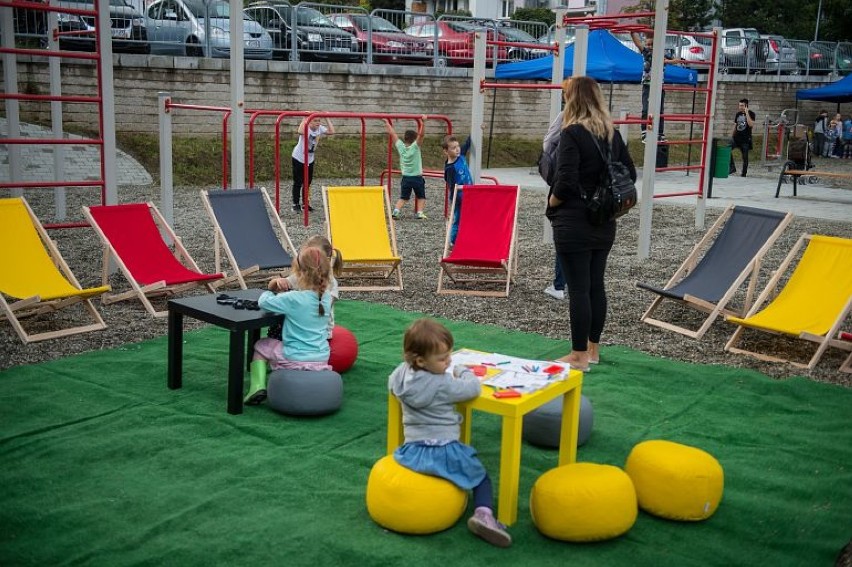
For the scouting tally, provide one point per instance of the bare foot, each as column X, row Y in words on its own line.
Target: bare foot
column 577, row 360
column 594, row 353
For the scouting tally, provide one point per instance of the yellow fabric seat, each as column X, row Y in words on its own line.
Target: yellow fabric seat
column 359, row 224
column 408, row 502
column 812, row 305
column 33, row 272
column 675, row 481
column 583, row 502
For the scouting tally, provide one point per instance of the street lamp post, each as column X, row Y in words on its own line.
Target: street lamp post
column 819, row 15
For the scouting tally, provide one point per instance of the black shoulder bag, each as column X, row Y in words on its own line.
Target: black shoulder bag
column 615, row 193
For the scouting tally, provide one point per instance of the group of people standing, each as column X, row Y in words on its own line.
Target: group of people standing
column 833, row 137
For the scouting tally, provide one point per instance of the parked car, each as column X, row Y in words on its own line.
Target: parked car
column 814, row 58
column 77, row 31
column 740, row 51
column 689, row 48
column 778, row 55
column 201, row 28
column 389, row 43
column 318, row 39
column 547, row 38
column 517, row 35
column 455, row 42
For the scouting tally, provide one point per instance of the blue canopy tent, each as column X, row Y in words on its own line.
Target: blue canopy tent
column 608, row 61
column 838, row 91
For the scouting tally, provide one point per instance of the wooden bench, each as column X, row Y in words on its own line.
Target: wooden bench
column 795, row 174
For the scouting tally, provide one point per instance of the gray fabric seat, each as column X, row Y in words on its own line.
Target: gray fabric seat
column 542, row 426
column 304, row 392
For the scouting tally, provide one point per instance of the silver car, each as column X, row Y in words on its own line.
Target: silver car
column 201, row 28
column 779, row 55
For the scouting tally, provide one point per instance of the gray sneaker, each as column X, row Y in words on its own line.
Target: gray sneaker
column 555, row 293
column 483, row 524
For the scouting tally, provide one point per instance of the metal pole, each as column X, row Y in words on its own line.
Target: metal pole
column 10, row 81
column 110, row 165
column 558, row 65
column 816, row 28
column 646, row 200
column 59, row 193
column 238, row 124
column 477, row 106
column 581, row 50
column 166, row 166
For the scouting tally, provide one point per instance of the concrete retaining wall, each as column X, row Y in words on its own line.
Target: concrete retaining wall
column 341, row 87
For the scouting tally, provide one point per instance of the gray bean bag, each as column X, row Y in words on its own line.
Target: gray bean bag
column 541, row 426
column 304, row 392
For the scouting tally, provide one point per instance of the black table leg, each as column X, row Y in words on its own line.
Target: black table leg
column 236, row 355
column 175, row 356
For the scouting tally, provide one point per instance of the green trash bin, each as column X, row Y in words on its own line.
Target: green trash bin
column 722, row 155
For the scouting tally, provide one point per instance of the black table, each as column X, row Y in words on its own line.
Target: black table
column 237, row 321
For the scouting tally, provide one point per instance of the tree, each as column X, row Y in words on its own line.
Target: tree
column 543, row 15
column 684, row 15
column 794, row 19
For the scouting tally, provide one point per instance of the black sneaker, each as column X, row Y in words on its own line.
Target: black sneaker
column 310, row 209
column 643, row 137
column 297, row 208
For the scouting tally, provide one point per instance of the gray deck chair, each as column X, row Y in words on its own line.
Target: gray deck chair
column 708, row 283
column 245, row 222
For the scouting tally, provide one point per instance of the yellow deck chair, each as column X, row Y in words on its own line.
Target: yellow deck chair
column 35, row 276
column 359, row 224
column 812, row 305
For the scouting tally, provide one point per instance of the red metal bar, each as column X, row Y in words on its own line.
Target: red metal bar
column 44, row 7
column 682, row 194
column 682, row 142
column 502, row 43
column 686, row 89
column 59, row 225
column 585, row 19
column 50, row 98
column 52, row 141
column 50, row 53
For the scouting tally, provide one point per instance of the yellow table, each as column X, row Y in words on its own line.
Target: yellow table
column 513, row 411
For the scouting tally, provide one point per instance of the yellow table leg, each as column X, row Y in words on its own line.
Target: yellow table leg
column 396, row 436
column 570, row 427
column 467, row 417
column 510, row 470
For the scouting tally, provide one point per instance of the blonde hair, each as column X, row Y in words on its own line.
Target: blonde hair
column 425, row 337
column 312, row 269
column 584, row 105
column 334, row 255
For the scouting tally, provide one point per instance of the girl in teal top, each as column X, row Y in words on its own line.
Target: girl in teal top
column 304, row 338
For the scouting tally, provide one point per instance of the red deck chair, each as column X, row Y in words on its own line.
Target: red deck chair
column 131, row 235
column 485, row 251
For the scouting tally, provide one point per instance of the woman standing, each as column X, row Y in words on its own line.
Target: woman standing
column 583, row 248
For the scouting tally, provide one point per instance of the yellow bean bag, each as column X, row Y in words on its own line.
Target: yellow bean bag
column 408, row 502
column 583, row 502
column 675, row 481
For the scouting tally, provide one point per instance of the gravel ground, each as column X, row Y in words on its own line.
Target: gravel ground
column 420, row 243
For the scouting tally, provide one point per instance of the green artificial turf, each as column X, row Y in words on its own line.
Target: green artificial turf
column 103, row 465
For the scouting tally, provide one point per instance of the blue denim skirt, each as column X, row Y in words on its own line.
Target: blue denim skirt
column 453, row 461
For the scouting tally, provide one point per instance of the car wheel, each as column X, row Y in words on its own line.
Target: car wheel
column 193, row 49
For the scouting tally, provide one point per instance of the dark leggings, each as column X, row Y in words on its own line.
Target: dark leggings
column 584, row 276
column 482, row 494
column 299, row 179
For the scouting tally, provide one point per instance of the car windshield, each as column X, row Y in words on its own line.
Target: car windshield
column 379, row 24
column 217, row 9
column 751, row 33
column 460, row 27
column 311, row 17
column 515, row 34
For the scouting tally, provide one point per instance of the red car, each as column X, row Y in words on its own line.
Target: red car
column 455, row 42
column 390, row 44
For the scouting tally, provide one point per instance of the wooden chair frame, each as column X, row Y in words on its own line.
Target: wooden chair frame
column 713, row 310
column 250, row 274
column 154, row 290
column 822, row 341
column 34, row 305
column 366, row 269
column 459, row 274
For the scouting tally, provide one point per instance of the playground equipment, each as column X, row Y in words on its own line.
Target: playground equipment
column 615, row 23
column 103, row 99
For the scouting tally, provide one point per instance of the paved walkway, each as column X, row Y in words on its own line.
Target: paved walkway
column 82, row 163
column 815, row 201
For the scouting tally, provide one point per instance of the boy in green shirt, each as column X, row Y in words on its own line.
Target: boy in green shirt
column 411, row 165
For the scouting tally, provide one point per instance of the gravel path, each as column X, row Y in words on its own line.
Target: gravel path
column 420, row 242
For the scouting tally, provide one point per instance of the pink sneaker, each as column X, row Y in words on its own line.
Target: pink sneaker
column 484, row 525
